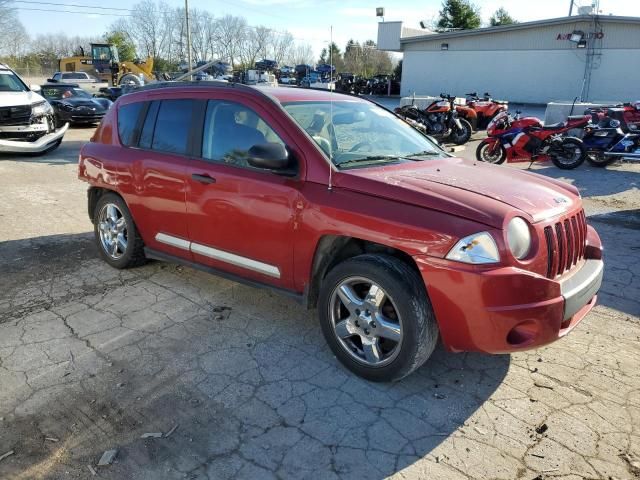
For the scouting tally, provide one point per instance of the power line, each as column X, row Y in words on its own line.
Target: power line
column 71, row 5
column 72, row 11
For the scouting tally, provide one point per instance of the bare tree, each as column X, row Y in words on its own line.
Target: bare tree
column 13, row 37
column 255, row 44
column 230, row 34
column 302, row 54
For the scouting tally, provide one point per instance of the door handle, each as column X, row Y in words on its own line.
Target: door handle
column 203, row 178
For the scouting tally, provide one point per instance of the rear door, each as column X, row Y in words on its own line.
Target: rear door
column 160, row 147
column 241, row 219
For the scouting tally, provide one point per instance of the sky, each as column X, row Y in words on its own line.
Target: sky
column 308, row 20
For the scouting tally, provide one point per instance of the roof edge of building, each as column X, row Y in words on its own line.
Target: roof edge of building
column 520, row 26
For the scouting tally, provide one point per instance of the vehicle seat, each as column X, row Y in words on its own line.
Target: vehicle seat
column 323, row 133
column 232, row 140
column 554, row 126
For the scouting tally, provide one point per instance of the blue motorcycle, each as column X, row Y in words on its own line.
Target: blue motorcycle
column 606, row 142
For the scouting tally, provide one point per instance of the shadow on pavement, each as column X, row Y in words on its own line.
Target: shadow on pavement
column 620, row 232
column 254, row 390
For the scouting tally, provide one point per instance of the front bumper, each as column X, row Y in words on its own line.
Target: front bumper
column 39, row 145
column 79, row 117
column 507, row 309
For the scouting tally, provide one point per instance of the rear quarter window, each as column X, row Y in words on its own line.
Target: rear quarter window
column 128, row 116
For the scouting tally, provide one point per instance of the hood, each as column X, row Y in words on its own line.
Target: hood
column 477, row 191
column 13, row 99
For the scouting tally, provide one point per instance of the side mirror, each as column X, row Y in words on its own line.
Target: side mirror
column 52, row 80
column 271, row 156
column 35, row 88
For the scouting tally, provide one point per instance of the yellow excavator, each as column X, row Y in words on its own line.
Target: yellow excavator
column 104, row 64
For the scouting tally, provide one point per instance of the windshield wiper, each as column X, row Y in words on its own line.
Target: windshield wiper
column 371, row 158
column 425, row 153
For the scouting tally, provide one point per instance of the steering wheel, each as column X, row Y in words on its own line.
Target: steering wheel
column 359, row 146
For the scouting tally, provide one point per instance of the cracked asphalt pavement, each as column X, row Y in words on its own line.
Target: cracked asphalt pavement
column 241, row 384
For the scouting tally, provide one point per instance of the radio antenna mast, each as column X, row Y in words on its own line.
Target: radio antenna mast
column 331, row 130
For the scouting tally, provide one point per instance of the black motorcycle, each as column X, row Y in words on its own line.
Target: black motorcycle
column 440, row 120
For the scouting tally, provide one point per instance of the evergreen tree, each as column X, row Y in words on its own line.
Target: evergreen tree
column 458, row 14
column 501, row 17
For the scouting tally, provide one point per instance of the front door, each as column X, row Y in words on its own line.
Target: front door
column 240, row 217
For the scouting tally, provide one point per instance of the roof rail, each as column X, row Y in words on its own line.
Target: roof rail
column 186, row 83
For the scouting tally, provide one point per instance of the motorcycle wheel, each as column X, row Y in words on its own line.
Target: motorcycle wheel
column 491, row 152
column 571, row 154
column 599, row 160
column 461, row 136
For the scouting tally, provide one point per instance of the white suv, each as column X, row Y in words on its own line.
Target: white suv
column 26, row 119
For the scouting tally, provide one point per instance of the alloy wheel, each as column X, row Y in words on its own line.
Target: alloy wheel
column 365, row 321
column 112, row 227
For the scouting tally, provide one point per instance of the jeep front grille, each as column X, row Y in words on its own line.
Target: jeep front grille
column 566, row 243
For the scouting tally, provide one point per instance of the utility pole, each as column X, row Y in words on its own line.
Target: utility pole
column 186, row 11
column 571, row 7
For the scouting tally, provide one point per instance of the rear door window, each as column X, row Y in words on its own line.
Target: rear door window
column 172, row 126
column 128, row 116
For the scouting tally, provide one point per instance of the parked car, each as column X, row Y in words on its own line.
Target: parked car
column 73, row 104
column 338, row 203
column 83, row 79
column 26, row 119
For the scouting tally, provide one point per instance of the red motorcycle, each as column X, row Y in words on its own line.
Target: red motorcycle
column 486, row 108
column 527, row 139
column 628, row 114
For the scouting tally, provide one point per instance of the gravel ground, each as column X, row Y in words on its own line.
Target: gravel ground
column 235, row 382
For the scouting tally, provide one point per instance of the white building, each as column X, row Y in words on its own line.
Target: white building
column 592, row 57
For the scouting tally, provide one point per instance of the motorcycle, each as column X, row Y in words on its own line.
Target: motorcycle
column 628, row 114
column 521, row 139
column 606, row 142
column 440, row 120
column 486, row 108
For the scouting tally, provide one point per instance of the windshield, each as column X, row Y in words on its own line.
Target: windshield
column 361, row 133
column 9, row 82
column 58, row 93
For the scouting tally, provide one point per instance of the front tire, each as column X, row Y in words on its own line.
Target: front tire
column 491, row 152
column 597, row 159
column 116, row 235
column 376, row 317
column 571, row 154
column 462, row 135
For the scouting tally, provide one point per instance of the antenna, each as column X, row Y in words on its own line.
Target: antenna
column 331, row 131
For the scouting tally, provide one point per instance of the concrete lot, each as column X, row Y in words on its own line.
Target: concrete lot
column 92, row 358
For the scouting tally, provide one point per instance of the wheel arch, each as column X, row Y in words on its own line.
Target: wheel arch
column 334, row 249
column 93, row 196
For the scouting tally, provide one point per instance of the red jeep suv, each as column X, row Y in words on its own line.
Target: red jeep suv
column 338, row 203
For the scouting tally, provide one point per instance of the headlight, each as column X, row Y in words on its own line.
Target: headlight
column 42, row 108
column 476, row 248
column 519, row 237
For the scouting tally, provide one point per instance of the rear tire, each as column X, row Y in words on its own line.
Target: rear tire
column 462, row 136
column 116, row 235
column 386, row 328
column 484, row 155
column 571, row 154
